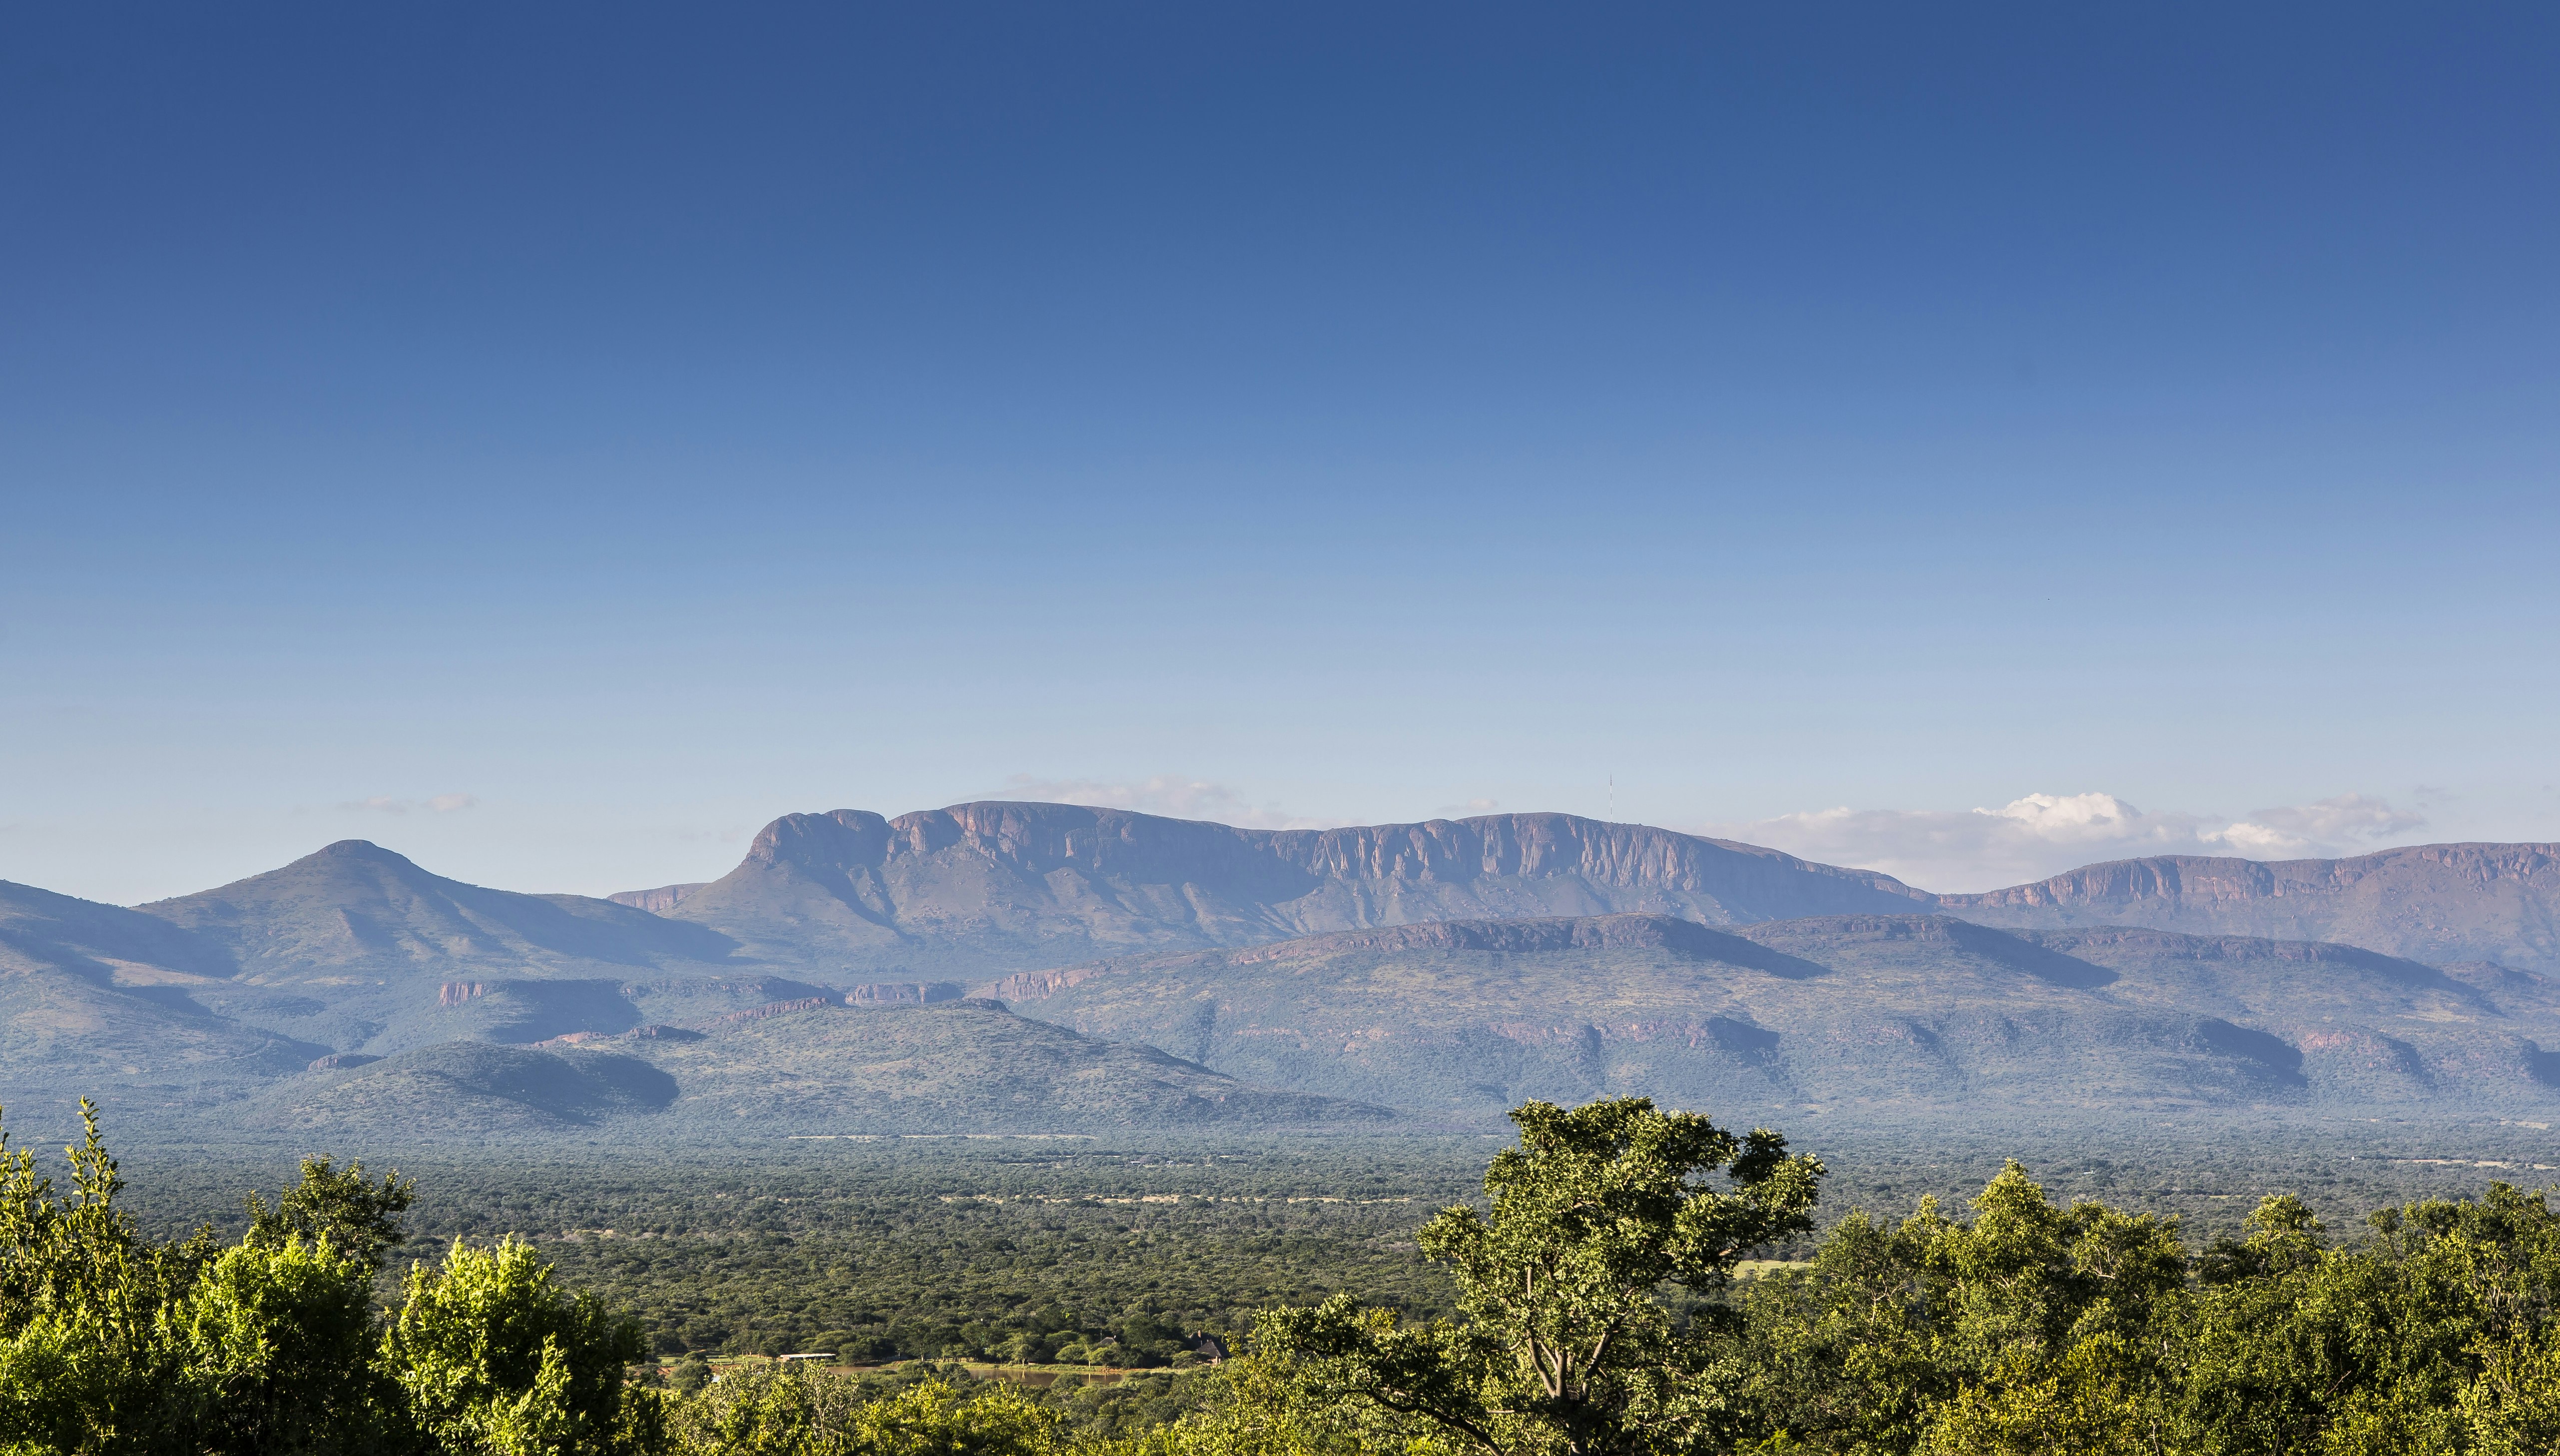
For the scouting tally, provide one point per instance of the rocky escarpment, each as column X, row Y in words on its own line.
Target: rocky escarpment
column 1679, row 939
column 2495, row 902
column 1562, row 932
column 659, row 901
column 1006, row 881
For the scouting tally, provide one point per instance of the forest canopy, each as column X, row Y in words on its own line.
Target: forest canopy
column 1601, row 1298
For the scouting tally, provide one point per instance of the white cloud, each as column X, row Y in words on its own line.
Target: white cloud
column 1168, row 794
column 2345, row 819
column 2040, row 835
column 452, row 803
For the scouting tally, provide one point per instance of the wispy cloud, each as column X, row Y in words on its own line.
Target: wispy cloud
column 1169, row 794
column 434, row 804
column 2040, row 835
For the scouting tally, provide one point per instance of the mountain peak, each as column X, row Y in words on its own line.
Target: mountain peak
column 364, row 850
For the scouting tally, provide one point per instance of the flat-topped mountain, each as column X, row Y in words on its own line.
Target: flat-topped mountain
column 959, row 889
column 1047, row 884
column 2437, row 902
column 1443, row 966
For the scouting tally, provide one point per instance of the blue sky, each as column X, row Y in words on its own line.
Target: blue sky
column 553, row 442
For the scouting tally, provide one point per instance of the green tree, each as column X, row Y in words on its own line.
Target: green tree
column 1567, row 1344
column 279, row 1342
column 362, row 1220
column 494, row 1356
column 788, row 1410
column 84, row 1361
column 2033, row 1328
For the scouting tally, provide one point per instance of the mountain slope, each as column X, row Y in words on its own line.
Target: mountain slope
column 462, row 1089
column 355, row 948
column 1892, row 1014
column 1017, row 885
column 356, row 908
column 94, row 998
column 2496, row 902
column 960, row 1067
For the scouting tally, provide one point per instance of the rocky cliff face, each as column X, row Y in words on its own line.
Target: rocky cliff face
column 659, row 901
column 2495, row 902
column 1050, row 883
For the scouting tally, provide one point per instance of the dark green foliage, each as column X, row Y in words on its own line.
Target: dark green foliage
column 492, row 1353
column 1565, row 1346
column 1592, row 1301
column 1027, row 1251
column 2036, row 1328
column 359, row 1220
column 83, row 1359
column 279, row 1341
column 111, row 1342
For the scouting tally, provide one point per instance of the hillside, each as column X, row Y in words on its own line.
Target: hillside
column 121, row 999
column 1886, row 1015
column 355, row 948
column 355, row 908
column 823, row 1070
column 2497, row 903
column 977, row 887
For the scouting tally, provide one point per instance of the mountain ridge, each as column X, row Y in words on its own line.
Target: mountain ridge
column 1014, row 880
column 2436, row 903
column 354, row 956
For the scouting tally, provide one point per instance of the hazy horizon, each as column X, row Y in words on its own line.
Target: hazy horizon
column 2033, row 833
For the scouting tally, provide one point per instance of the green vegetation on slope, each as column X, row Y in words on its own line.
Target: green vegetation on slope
column 1891, row 1017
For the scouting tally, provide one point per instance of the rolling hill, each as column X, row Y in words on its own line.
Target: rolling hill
column 110, row 997
column 1887, row 1016
column 807, row 1070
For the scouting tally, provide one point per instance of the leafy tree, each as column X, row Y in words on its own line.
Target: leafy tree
column 493, row 1355
column 363, row 1221
column 788, row 1410
column 84, row 1363
column 280, row 1343
column 1251, row 1408
column 1567, row 1346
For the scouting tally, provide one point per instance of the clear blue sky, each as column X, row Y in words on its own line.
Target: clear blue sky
column 620, row 425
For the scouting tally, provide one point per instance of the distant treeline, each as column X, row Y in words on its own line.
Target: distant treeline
column 1589, row 1307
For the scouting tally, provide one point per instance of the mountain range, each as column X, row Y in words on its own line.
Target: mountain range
column 1901, row 1015
column 1135, row 971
